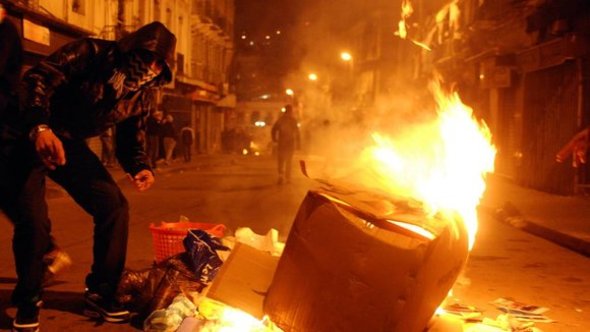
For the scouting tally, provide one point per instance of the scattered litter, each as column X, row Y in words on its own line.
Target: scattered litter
column 169, row 319
column 269, row 242
column 522, row 311
column 507, row 322
column 465, row 312
column 510, row 306
column 202, row 249
column 217, row 316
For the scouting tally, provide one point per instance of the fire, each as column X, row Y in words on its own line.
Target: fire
column 441, row 164
column 407, row 11
column 223, row 318
column 402, row 26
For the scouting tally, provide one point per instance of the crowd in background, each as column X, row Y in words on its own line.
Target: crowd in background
column 164, row 141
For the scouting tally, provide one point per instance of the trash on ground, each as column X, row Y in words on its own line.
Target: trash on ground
column 170, row 292
column 217, row 316
column 169, row 319
column 244, row 279
column 269, row 242
column 465, row 312
column 505, row 322
column 345, row 264
column 202, row 249
column 167, row 237
column 148, row 290
column 522, row 311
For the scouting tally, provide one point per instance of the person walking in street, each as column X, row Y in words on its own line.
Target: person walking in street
column 169, row 136
column 285, row 132
column 187, row 137
column 77, row 92
column 11, row 60
column 153, row 133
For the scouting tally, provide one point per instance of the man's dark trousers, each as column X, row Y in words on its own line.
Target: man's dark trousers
column 93, row 188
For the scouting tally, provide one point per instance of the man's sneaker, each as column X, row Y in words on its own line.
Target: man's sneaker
column 109, row 310
column 27, row 318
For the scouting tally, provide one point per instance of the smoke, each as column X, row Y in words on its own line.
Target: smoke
column 349, row 101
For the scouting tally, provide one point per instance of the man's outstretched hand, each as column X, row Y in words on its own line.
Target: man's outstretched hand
column 143, row 180
column 50, row 149
column 576, row 147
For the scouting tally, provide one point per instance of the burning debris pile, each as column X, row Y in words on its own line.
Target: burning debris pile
column 385, row 257
column 377, row 252
column 345, row 268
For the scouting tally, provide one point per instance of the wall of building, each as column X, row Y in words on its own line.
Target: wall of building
column 529, row 56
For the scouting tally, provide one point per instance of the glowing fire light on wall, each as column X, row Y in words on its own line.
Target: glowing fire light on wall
column 402, row 26
column 407, row 11
column 442, row 164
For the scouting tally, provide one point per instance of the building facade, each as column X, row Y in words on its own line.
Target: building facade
column 523, row 66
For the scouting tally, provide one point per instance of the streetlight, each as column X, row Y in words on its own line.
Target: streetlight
column 289, row 92
column 345, row 56
column 312, row 77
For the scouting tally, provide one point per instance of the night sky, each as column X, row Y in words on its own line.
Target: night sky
column 266, row 32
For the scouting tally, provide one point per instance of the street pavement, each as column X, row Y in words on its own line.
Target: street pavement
column 555, row 228
column 563, row 220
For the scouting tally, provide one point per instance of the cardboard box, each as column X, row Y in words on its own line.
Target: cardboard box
column 244, row 279
column 345, row 268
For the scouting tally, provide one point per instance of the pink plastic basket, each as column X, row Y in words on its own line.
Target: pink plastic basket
column 167, row 237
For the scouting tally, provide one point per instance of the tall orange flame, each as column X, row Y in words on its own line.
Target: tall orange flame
column 442, row 164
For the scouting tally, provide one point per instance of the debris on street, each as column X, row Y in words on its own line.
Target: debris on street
column 465, row 312
column 521, row 311
column 269, row 242
column 503, row 322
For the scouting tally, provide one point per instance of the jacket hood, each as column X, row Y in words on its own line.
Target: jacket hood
column 154, row 37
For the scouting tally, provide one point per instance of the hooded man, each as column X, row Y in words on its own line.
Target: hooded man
column 80, row 91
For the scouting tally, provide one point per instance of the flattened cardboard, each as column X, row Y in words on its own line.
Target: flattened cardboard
column 243, row 280
column 341, row 272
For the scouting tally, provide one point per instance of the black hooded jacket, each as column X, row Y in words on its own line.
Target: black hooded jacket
column 74, row 91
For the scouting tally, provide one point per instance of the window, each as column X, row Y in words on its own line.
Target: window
column 169, row 18
column 78, row 6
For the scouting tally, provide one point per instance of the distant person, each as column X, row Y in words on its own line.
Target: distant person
column 153, row 132
column 286, row 133
column 187, row 137
column 169, row 135
column 78, row 92
column 576, row 147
